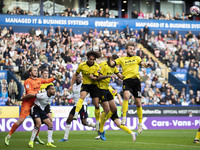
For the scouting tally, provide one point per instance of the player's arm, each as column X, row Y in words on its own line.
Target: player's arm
column 116, row 71
column 100, row 77
column 146, row 64
column 73, row 80
column 95, row 75
column 28, row 96
column 47, row 80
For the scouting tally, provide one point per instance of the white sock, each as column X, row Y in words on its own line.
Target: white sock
column 97, row 122
column 34, row 132
column 90, row 123
column 8, row 136
column 76, row 114
column 67, row 129
column 50, row 134
column 139, row 123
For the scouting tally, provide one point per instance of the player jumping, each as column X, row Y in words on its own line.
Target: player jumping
column 89, row 71
column 83, row 112
column 131, row 80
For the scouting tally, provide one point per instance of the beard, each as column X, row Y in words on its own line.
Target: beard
column 129, row 55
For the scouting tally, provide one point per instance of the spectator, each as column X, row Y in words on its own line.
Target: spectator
column 38, row 32
column 127, row 31
column 141, row 15
column 11, row 30
column 4, row 93
column 184, row 103
column 192, row 102
column 32, row 32
column 4, row 84
column 12, row 89
column 146, row 30
column 156, row 14
column 134, row 14
column 9, row 102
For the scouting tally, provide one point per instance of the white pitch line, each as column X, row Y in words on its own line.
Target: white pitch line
column 134, row 142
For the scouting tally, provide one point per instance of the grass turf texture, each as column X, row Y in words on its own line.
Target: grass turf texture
column 116, row 140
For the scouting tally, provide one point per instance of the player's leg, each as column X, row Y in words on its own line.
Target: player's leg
column 25, row 111
column 113, row 109
column 95, row 94
column 97, row 111
column 79, row 104
column 139, row 113
column 196, row 140
column 49, row 114
column 84, row 116
column 49, row 124
column 38, row 124
column 126, row 96
column 136, row 91
column 68, row 125
column 106, row 110
column 125, row 128
column 13, row 128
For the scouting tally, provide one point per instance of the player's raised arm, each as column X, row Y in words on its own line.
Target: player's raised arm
column 146, row 64
column 47, row 80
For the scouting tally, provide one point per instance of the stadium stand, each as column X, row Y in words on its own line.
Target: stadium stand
column 63, row 50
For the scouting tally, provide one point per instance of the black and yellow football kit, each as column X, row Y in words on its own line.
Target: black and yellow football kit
column 89, row 85
column 105, row 69
column 130, row 67
column 131, row 81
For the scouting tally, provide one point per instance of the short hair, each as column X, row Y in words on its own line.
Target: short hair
column 31, row 68
column 44, row 71
column 48, row 86
column 94, row 54
column 129, row 44
column 115, row 56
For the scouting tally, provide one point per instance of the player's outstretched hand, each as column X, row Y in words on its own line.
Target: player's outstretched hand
column 58, row 76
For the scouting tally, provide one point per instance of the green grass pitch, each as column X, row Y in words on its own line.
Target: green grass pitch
column 116, row 140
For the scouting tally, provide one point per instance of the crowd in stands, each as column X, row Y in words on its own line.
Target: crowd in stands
column 180, row 53
column 61, row 50
column 8, row 93
column 104, row 13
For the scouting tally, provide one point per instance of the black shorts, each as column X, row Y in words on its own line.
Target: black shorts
column 82, row 112
column 47, row 109
column 92, row 89
column 134, row 86
column 114, row 116
column 37, row 112
column 105, row 95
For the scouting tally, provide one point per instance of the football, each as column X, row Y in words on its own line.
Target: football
column 194, row 10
